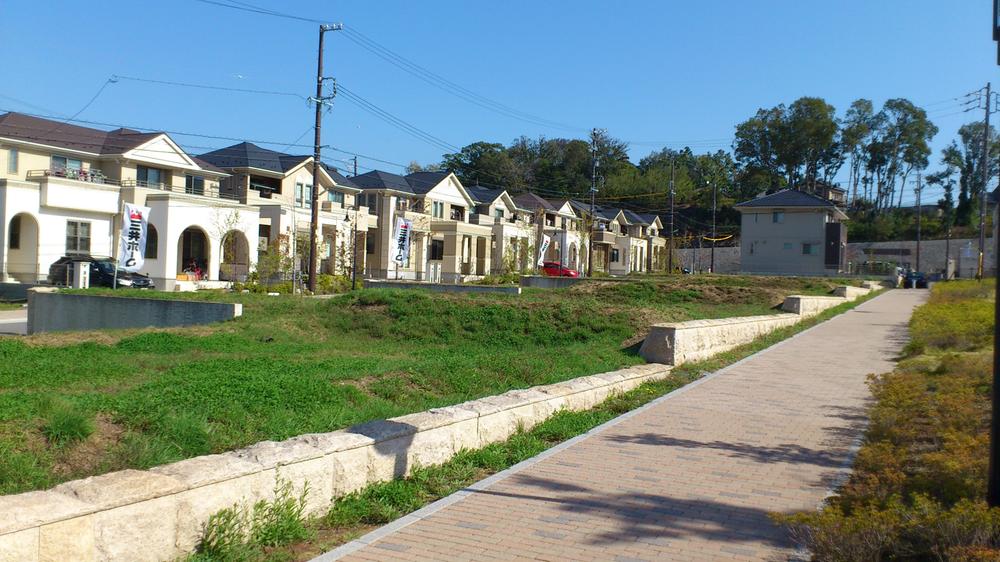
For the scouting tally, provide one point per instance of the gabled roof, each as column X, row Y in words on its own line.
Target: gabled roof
column 481, row 195
column 340, row 179
column 377, row 179
column 73, row 137
column 532, row 202
column 788, row 198
column 249, row 155
column 634, row 217
column 651, row 219
column 422, row 182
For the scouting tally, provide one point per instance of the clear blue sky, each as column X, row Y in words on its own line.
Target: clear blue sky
column 669, row 73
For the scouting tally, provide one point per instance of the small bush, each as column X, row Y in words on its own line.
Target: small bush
column 65, row 423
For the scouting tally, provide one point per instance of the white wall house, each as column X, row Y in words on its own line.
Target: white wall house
column 792, row 232
column 62, row 188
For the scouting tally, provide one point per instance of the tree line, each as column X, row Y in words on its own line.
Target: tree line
column 803, row 145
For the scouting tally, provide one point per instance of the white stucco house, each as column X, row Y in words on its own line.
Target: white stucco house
column 62, row 188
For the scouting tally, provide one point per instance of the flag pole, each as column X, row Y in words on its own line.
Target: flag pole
column 116, row 251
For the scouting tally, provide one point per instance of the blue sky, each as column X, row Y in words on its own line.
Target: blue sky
column 656, row 73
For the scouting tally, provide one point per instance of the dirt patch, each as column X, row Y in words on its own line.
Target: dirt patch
column 87, row 456
column 111, row 337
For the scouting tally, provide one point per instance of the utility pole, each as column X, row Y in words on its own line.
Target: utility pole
column 715, row 196
column 919, row 215
column 985, row 164
column 320, row 102
column 670, row 252
column 355, row 165
column 593, row 194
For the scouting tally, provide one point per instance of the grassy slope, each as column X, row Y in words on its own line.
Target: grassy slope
column 78, row 404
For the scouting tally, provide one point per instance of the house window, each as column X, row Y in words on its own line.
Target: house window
column 751, row 248
column 437, row 250
column 402, row 205
column 12, row 161
column 808, row 249
column 152, row 243
column 778, row 217
column 194, row 185
column 303, row 195
column 550, row 220
column 458, row 213
column 150, row 177
column 498, row 213
column 614, row 255
column 336, row 197
column 77, row 237
column 66, row 166
column 15, row 233
column 787, row 246
column 438, row 210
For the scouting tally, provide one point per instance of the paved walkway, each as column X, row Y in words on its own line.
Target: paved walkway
column 689, row 477
column 14, row 321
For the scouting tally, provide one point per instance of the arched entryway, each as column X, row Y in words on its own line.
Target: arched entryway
column 22, row 248
column 193, row 252
column 572, row 256
column 235, row 257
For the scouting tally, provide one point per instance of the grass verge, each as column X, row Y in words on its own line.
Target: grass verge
column 357, row 513
column 918, row 484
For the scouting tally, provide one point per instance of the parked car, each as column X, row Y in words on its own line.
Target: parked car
column 915, row 280
column 102, row 273
column 556, row 269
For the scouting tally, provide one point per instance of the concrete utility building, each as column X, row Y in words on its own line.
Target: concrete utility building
column 792, row 232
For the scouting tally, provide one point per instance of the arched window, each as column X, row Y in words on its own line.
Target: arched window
column 152, row 243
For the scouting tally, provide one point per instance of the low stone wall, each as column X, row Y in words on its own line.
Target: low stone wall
column 443, row 287
column 158, row 514
column 545, row 282
column 52, row 311
column 683, row 342
column 15, row 291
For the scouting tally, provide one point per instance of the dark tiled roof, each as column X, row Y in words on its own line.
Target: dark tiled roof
column 249, row 155
column 649, row 219
column 634, row 218
column 377, row 179
column 422, row 182
column 338, row 178
column 482, row 195
column 73, row 137
column 788, row 198
column 206, row 166
column 532, row 202
column 606, row 213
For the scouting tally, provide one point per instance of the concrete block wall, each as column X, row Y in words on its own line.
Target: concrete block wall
column 443, row 287
column 158, row 514
column 683, row 342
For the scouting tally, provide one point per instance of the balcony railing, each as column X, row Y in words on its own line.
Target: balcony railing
column 96, row 176
column 89, row 176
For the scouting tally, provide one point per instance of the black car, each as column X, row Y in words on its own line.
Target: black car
column 102, row 273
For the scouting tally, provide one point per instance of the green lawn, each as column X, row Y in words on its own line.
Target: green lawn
column 77, row 404
column 10, row 306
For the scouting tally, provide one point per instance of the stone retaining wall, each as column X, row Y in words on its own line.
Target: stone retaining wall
column 158, row 514
column 52, row 311
column 683, row 342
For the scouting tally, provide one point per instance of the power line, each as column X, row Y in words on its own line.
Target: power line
column 208, row 87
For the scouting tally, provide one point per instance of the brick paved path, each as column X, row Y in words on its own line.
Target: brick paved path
column 690, row 477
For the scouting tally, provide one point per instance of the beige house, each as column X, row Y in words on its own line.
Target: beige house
column 279, row 186
column 446, row 246
column 560, row 222
column 792, row 232
column 513, row 233
column 62, row 188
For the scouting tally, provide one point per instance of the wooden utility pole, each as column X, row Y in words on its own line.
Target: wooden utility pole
column 985, row 164
column 919, row 215
column 593, row 194
column 670, row 253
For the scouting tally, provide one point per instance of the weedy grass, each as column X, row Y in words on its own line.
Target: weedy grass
column 293, row 365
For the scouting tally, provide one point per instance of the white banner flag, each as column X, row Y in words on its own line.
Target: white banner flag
column 133, row 241
column 546, row 240
column 401, row 237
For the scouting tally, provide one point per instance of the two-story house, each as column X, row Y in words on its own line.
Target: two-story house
column 279, row 186
column 792, row 232
column 513, row 234
column 62, row 189
column 561, row 223
column 445, row 246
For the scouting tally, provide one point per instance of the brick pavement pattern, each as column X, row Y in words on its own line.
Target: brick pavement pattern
column 694, row 476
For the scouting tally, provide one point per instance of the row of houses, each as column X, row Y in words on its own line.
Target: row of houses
column 214, row 216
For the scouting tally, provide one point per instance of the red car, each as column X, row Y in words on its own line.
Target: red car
column 555, row 269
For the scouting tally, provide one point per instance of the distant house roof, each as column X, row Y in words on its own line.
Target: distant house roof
column 74, row 137
column 649, row 219
column 532, row 202
column 422, row 182
column 340, row 179
column 249, row 155
column 482, row 195
column 634, row 217
column 789, row 198
column 377, row 179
